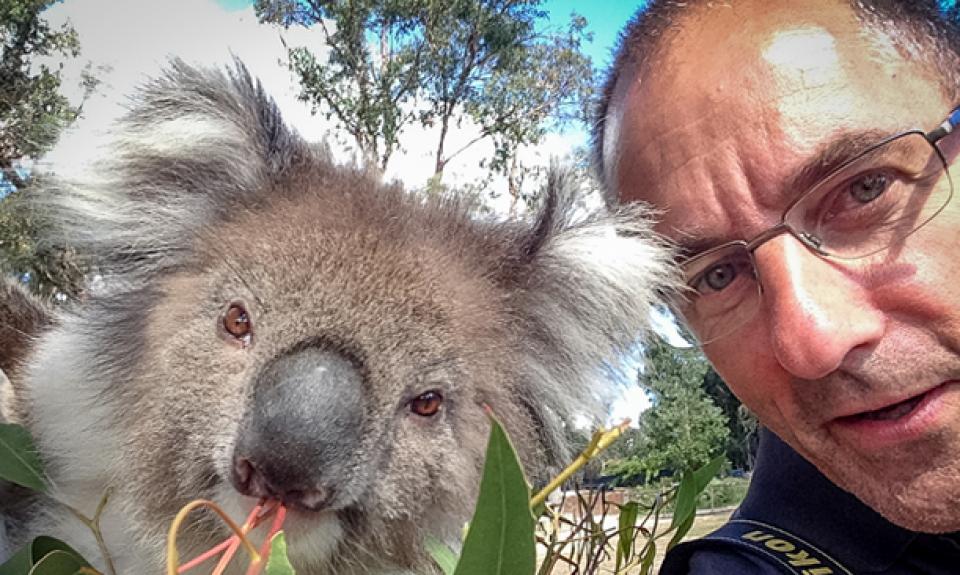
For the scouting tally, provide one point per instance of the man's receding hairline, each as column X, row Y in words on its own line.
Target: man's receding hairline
column 646, row 36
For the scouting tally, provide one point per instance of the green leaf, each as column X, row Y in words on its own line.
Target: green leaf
column 686, row 500
column 646, row 562
column 691, row 486
column 501, row 538
column 682, row 530
column 58, row 563
column 703, row 476
column 627, row 521
column 34, row 555
column 277, row 561
column 18, row 458
column 442, row 555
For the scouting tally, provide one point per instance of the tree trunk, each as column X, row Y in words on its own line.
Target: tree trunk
column 440, row 162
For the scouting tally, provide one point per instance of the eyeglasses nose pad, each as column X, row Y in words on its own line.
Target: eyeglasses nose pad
column 811, row 241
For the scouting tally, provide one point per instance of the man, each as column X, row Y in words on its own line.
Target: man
column 819, row 240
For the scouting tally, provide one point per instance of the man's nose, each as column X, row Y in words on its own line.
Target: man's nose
column 816, row 313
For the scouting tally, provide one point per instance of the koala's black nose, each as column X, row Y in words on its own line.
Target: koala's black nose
column 250, row 479
column 299, row 439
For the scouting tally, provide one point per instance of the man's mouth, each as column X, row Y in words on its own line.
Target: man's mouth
column 895, row 411
column 898, row 423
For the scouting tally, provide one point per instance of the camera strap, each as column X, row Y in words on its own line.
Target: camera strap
column 794, row 555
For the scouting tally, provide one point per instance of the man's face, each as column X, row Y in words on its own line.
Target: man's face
column 712, row 134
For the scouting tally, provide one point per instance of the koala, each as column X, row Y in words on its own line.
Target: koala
column 22, row 318
column 270, row 324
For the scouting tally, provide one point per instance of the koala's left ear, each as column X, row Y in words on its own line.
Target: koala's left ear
column 590, row 287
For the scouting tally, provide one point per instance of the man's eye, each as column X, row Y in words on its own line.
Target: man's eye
column 860, row 199
column 869, row 187
column 716, row 278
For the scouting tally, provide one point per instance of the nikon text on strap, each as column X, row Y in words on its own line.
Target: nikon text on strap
column 792, row 554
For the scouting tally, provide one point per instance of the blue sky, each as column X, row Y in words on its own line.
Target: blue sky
column 604, row 20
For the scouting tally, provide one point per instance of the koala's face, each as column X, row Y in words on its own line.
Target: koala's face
column 326, row 359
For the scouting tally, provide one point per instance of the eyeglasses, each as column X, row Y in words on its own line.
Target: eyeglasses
column 861, row 209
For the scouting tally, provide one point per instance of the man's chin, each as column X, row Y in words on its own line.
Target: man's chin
column 916, row 486
column 925, row 502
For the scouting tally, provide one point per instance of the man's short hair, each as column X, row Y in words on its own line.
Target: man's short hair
column 929, row 28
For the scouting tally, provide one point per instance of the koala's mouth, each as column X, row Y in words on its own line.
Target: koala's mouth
column 266, row 512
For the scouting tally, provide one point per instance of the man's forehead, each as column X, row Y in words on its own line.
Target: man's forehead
column 725, row 120
column 703, row 62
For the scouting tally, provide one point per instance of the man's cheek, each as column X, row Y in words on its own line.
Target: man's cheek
column 750, row 372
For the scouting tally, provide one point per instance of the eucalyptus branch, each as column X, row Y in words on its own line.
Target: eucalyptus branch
column 94, row 526
column 601, row 439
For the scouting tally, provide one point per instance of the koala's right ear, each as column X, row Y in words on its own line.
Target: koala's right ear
column 589, row 288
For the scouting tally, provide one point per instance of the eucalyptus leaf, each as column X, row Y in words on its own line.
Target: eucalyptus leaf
column 19, row 462
column 686, row 500
column 58, row 563
column 627, row 521
column 442, row 555
column 691, row 486
column 277, row 562
column 32, row 553
column 646, row 561
column 682, row 529
column 703, row 476
column 501, row 536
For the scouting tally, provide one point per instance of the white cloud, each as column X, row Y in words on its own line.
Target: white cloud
column 631, row 403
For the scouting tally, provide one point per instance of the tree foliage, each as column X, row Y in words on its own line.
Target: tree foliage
column 32, row 109
column 683, row 429
column 742, row 424
column 389, row 64
column 33, row 112
column 52, row 271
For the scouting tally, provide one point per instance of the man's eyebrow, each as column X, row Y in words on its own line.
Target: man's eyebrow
column 830, row 156
column 690, row 244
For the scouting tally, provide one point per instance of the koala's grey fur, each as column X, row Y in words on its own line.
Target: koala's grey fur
column 210, row 199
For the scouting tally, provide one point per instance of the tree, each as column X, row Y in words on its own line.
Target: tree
column 394, row 63
column 683, row 429
column 742, row 424
column 33, row 112
column 52, row 271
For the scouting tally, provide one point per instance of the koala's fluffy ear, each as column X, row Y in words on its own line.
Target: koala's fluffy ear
column 196, row 145
column 22, row 318
column 590, row 288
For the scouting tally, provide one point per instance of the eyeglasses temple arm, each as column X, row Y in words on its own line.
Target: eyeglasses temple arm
column 946, row 128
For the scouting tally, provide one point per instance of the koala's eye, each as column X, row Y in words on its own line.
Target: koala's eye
column 237, row 324
column 427, row 404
